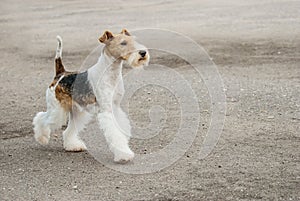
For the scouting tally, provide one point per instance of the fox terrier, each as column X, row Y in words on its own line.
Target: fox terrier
column 71, row 94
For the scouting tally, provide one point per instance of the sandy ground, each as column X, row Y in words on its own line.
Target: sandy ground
column 255, row 45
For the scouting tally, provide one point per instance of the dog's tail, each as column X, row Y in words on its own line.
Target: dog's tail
column 59, row 67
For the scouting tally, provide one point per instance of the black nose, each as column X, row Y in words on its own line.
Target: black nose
column 142, row 53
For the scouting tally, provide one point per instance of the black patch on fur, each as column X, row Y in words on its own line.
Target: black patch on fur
column 78, row 86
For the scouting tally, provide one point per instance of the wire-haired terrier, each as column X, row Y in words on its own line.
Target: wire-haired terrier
column 71, row 94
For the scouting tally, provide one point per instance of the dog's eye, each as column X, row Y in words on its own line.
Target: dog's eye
column 124, row 43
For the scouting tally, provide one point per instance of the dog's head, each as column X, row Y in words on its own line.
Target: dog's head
column 123, row 46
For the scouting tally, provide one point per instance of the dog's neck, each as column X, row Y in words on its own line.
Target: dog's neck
column 107, row 69
column 106, row 77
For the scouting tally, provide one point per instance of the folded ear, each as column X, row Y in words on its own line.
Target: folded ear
column 106, row 36
column 124, row 31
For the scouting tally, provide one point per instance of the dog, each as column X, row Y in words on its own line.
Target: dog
column 71, row 94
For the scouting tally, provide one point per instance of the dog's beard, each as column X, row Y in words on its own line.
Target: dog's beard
column 135, row 60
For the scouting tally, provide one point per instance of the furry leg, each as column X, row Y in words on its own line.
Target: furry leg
column 45, row 122
column 122, row 121
column 77, row 122
column 41, row 128
column 116, row 139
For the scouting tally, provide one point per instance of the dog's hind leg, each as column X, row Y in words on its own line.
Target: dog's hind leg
column 77, row 122
column 52, row 119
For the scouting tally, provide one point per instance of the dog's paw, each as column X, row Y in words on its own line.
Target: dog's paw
column 75, row 146
column 124, row 157
column 42, row 139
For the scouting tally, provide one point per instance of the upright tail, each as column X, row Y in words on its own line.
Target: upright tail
column 59, row 47
column 59, row 67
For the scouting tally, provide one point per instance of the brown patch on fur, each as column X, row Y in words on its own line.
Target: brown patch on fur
column 124, row 31
column 106, row 36
column 64, row 97
column 59, row 67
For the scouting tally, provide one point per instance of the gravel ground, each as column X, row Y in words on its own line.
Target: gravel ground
column 256, row 47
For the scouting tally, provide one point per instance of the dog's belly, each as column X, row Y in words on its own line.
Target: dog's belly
column 74, row 88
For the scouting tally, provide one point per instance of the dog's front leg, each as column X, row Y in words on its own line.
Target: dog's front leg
column 116, row 137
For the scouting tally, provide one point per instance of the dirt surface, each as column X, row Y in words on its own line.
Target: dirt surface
column 255, row 45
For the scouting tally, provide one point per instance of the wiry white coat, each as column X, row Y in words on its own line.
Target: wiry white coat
column 106, row 80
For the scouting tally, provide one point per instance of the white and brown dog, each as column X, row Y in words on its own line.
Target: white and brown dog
column 100, row 86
